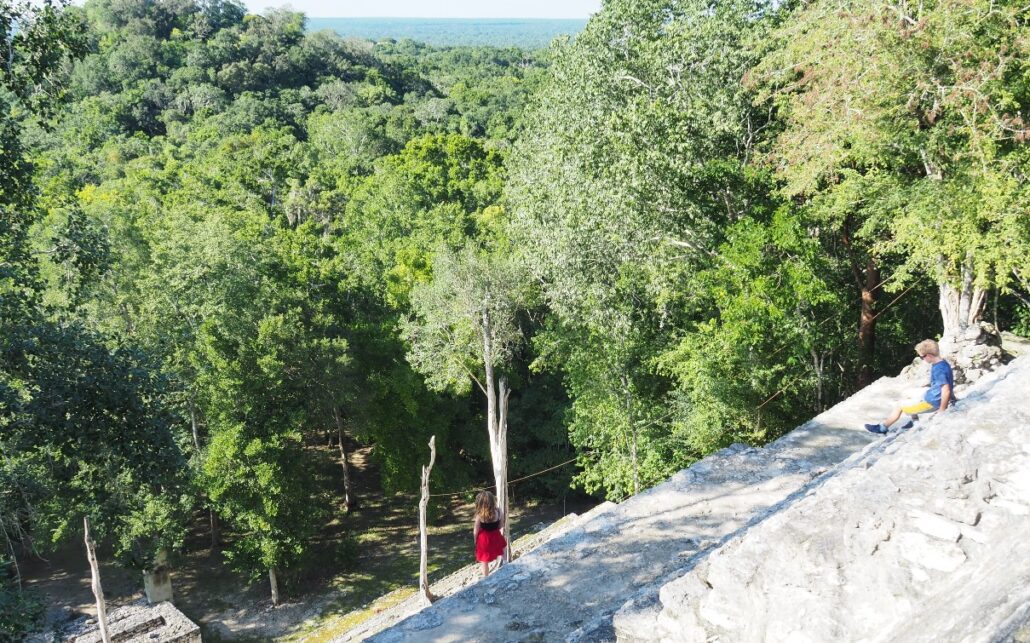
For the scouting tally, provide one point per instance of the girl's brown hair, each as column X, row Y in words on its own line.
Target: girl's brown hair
column 486, row 506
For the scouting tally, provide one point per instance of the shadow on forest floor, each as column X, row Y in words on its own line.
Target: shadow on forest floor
column 229, row 606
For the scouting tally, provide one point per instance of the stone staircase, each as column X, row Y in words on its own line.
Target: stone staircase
column 829, row 533
column 922, row 536
column 571, row 587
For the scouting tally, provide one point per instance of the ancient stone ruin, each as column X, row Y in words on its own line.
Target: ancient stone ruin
column 827, row 534
column 140, row 622
column 977, row 353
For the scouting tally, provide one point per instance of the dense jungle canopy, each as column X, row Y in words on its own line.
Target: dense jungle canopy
column 225, row 239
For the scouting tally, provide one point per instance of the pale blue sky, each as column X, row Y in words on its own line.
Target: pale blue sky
column 435, row 8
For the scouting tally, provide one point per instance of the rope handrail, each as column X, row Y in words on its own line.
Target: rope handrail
column 488, row 487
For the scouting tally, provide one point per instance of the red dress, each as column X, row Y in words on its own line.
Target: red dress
column 490, row 542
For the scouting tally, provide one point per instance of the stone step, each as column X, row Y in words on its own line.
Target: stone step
column 918, row 537
column 571, row 587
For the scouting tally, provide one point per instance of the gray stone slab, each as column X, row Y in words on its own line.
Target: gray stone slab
column 143, row 623
column 922, row 536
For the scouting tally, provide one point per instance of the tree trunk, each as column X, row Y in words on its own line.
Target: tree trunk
column 868, row 283
column 14, row 554
column 193, row 426
column 215, row 534
column 274, row 582
column 496, row 424
column 212, row 518
column 961, row 310
column 348, row 491
column 423, row 505
column 502, row 447
column 818, row 366
column 867, row 325
column 98, row 591
column 633, row 434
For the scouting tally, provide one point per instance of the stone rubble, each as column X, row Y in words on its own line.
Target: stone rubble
column 977, row 352
column 139, row 622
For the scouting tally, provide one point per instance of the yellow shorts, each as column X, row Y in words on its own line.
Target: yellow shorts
column 917, row 408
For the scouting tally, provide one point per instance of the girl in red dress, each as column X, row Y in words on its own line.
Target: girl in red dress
column 488, row 532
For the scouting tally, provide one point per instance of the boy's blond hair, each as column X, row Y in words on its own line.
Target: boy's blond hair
column 928, row 347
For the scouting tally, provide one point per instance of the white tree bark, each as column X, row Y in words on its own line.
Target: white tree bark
column 423, row 505
column 98, row 591
column 496, row 424
column 502, row 447
column 274, row 582
column 193, row 426
column 818, row 367
column 961, row 309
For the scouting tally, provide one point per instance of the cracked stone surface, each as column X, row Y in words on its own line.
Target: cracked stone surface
column 922, row 536
column 142, row 623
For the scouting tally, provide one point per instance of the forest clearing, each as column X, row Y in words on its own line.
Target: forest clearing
column 382, row 563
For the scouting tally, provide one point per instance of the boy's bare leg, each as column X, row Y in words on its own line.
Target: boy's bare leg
column 894, row 416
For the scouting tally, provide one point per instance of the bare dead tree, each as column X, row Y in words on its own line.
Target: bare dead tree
column 423, row 505
column 98, row 591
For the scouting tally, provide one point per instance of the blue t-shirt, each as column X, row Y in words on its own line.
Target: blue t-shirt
column 940, row 374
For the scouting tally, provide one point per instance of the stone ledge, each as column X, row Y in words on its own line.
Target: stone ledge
column 140, row 622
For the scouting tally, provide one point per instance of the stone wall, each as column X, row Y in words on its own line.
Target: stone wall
column 975, row 354
column 570, row 588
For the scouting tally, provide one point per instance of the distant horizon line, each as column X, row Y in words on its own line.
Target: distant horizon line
column 436, row 18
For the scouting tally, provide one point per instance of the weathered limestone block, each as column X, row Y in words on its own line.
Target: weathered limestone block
column 974, row 354
column 936, row 526
column 157, row 582
column 929, row 553
column 159, row 623
column 157, row 585
column 786, row 543
column 921, row 537
column 580, row 579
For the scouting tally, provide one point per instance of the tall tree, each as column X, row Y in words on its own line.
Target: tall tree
column 636, row 161
column 465, row 329
column 84, row 428
column 914, row 115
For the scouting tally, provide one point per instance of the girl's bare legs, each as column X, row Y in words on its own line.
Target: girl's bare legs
column 486, row 569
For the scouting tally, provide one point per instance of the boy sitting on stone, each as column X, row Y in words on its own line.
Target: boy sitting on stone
column 937, row 397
